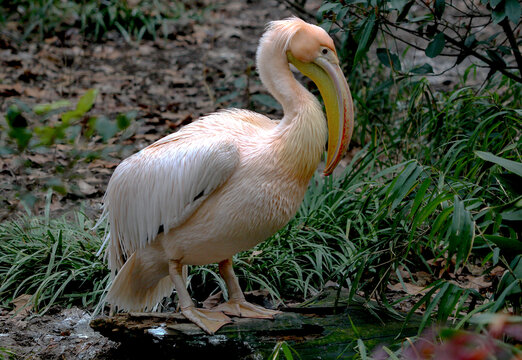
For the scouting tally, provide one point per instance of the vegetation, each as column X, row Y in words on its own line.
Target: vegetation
column 484, row 31
column 54, row 260
column 61, row 123
column 434, row 187
column 94, row 19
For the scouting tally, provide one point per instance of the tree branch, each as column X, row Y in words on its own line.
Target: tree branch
column 512, row 42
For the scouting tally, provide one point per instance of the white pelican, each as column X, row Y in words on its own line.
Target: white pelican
column 226, row 182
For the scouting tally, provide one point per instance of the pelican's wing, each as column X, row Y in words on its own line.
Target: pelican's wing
column 158, row 188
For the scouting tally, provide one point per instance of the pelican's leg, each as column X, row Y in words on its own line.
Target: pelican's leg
column 209, row 321
column 236, row 304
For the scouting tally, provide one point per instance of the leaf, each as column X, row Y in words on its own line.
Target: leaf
column 329, row 6
column 86, row 101
column 408, row 288
column 84, row 105
column 397, row 4
column 509, row 165
column 510, row 281
column 515, row 215
column 422, row 69
column 384, row 56
column 404, row 12
column 498, row 14
column 364, row 41
column 404, row 184
column 440, row 5
column 494, row 3
column 42, row 109
column 513, row 10
column 14, row 117
column 21, row 135
column 496, row 58
column 436, row 45
column 504, row 243
column 123, row 121
column 461, row 232
column 106, row 128
column 420, row 196
column 470, row 41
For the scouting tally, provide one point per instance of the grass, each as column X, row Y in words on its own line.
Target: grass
column 94, row 19
column 53, row 260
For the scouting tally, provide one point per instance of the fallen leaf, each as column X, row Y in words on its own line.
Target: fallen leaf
column 39, row 158
column 497, row 271
column 10, row 90
column 408, row 288
column 102, row 163
column 86, row 188
column 213, row 300
column 423, row 278
column 22, row 306
column 476, row 282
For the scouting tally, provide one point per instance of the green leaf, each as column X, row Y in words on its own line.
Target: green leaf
column 404, row 12
column 440, row 5
column 494, row 3
column 461, row 232
column 84, row 105
column 422, row 69
column 14, row 117
column 106, row 128
column 21, row 135
column 420, row 196
column 404, row 184
column 398, row 4
column 504, row 243
column 510, row 282
column 515, row 215
column 384, row 56
column 367, row 32
column 496, row 58
column 42, row 109
column 470, row 41
column 362, row 349
column 509, row 165
column 498, row 14
column 86, row 101
column 513, row 10
column 329, row 6
column 436, row 45
column 122, row 121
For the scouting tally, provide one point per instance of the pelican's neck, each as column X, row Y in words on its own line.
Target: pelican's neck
column 275, row 74
column 301, row 134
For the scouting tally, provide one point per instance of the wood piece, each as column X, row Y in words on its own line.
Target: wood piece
column 316, row 329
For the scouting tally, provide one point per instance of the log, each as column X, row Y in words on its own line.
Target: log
column 317, row 329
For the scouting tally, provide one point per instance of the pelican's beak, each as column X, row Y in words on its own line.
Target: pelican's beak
column 338, row 103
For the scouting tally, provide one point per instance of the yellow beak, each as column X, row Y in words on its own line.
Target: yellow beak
column 338, row 103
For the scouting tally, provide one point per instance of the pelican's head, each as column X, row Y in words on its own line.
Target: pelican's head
column 312, row 51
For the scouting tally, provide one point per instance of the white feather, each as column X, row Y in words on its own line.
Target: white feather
column 161, row 186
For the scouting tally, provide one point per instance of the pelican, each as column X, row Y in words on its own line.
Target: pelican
column 227, row 181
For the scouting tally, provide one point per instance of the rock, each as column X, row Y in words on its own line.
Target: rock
column 316, row 330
